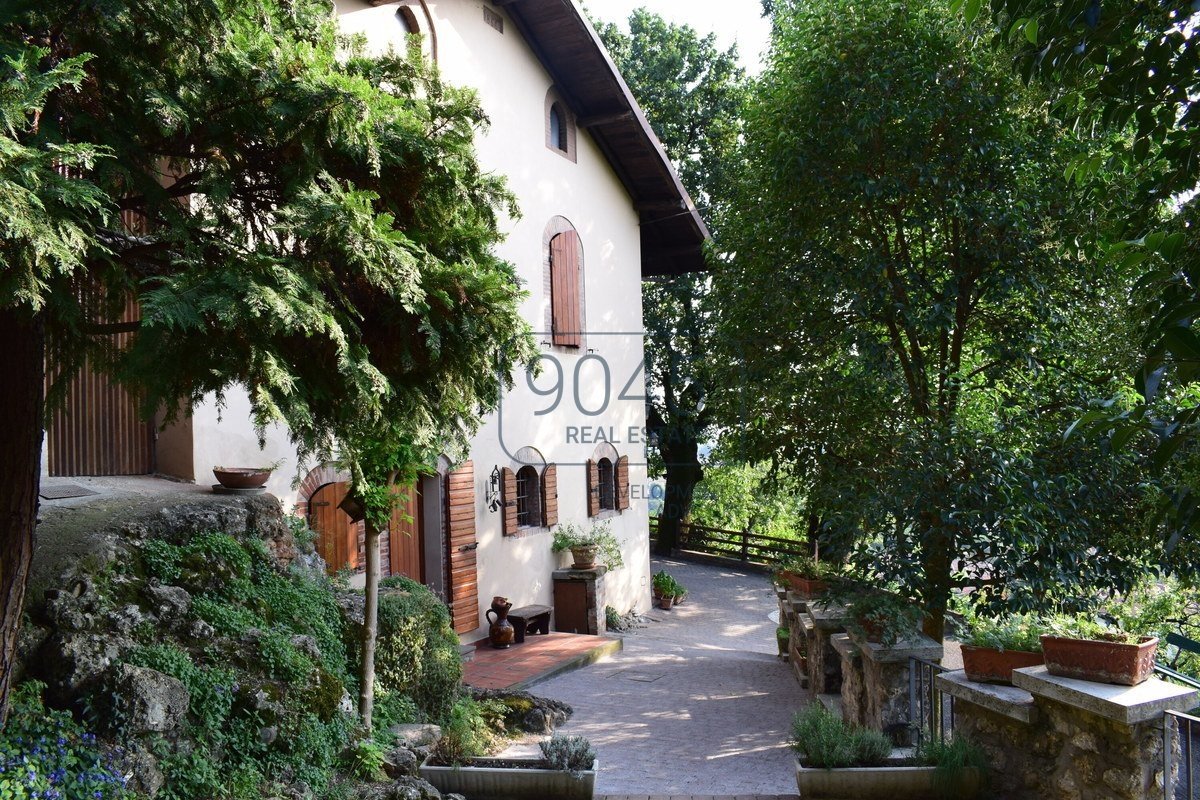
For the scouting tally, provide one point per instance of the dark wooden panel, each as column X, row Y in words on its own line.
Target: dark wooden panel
column 99, row 429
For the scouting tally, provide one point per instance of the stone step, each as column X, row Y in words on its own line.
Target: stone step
column 832, row 702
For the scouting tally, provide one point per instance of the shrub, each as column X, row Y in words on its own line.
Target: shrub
column 950, row 759
column 465, row 734
column 573, row 754
column 826, row 742
column 226, row 619
column 416, row 653
column 364, row 760
column 1013, row 632
column 1087, row 626
column 44, row 753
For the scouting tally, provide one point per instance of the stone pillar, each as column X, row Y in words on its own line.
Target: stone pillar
column 854, row 698
column 885, row 670
column 579, row 600
column 1065, row 739
column 822, row 621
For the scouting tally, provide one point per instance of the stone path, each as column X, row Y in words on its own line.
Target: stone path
column 697, row 703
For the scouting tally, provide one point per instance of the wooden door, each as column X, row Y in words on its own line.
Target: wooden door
column 338, row 543
column 99, row 428
column 405, row 540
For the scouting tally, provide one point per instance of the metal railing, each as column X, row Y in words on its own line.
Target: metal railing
column 1180, row 780
column 745, row 546
column 929, row 713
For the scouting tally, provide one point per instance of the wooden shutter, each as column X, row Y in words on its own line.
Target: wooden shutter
column 622, row 481
column 463, row 583
column 508, row 500
column 593, row 488
column 565, row 319
column 550, row 495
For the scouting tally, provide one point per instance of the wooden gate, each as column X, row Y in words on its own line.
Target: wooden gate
column 99, row 429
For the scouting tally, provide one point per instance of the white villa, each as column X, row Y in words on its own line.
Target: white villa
column 602, row 208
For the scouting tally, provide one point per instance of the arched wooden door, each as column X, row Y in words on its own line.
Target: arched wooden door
column 338, row 544
column 406, row 540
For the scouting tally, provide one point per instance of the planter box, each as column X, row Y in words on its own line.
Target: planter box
column 879, row 783
column 1100, row 661
column 486, row 779
column 988, row 665
column 808, row 587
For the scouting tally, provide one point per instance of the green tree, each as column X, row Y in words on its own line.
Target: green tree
column 692, row 93
column 1128, row 74
column 294, row 216
column 906, row 297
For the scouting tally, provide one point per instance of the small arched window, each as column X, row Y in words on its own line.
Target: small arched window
column 529, row 497
column 558, row 128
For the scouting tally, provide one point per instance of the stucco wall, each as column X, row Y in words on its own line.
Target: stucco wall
column 513, row 87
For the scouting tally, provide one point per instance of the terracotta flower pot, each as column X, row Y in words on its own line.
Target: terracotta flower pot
column 873, row 631
column 585, row 556
column 679, row 598
column 665, row 602
column 1099, row 660
column 242, row 477
column 989, row 665
column 810, row 587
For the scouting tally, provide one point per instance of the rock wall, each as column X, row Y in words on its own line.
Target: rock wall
column 1052, row 738
column 1066, row 754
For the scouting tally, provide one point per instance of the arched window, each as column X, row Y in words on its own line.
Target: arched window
column 529, row 497
column 608, row 484
column 558, row 128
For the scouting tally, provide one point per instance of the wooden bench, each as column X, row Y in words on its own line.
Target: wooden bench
column 529, row 619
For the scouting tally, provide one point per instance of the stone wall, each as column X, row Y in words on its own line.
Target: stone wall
column 1067, row 740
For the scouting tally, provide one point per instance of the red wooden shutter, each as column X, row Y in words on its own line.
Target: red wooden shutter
column 564, row 290
column 550, row 495
column 593, row 488
column 622, row 481
column 463, row 581
column 508, row 499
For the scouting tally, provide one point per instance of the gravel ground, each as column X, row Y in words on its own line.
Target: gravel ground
column 697, row 702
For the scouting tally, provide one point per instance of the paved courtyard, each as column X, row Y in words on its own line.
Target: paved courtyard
column 697, row 703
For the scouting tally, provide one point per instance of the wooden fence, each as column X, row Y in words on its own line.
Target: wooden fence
column 746, row 546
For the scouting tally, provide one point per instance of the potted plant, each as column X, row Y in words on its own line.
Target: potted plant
column 664, row 588
column 883, row 617
column 596, row 545
column 1078, row 646
column 806, row 576
column 567, row 769
column 836, row 760
column 995, row 647
column 245, row 477
column 680, row 591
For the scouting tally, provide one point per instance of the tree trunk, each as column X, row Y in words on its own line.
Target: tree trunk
column 935, row 562
column 683, row 473
column 22, row 395
column 366, row 695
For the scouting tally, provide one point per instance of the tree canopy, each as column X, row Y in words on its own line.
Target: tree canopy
column 909, row 322
column 692, row 93
column 293, row 215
